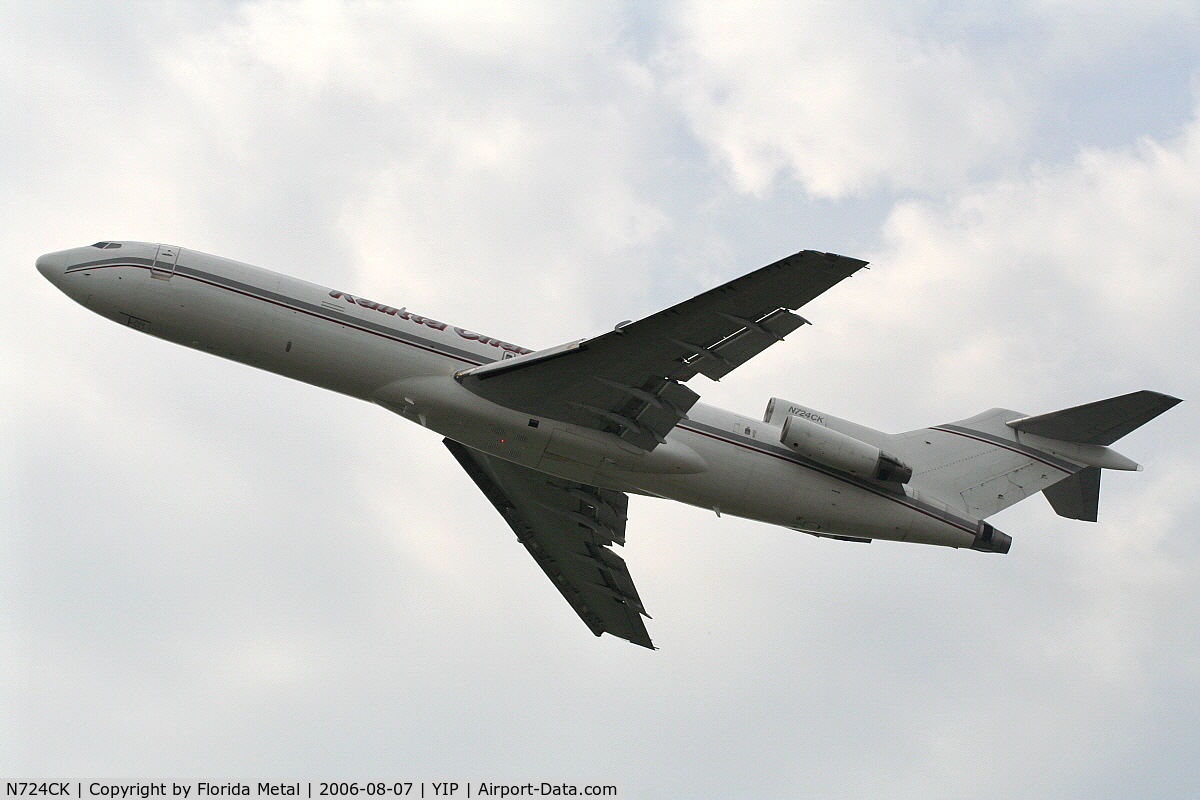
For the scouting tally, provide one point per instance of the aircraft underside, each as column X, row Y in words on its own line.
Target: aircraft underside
column 556, row 439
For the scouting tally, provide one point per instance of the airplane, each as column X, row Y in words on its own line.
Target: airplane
column 558, row 438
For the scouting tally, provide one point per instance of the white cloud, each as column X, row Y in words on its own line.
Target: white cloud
column 442, row 153
column 845, row 98
column 1073, row 271
column 848, row 99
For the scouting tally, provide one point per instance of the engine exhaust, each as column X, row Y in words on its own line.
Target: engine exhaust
column 990, row 540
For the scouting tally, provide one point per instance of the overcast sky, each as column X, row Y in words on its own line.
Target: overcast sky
column 212, row 573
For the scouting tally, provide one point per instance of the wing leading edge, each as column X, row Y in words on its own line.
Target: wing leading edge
column 629, row 381
column 567, row 527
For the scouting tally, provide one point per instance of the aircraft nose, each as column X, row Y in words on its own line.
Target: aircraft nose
column 52, row 266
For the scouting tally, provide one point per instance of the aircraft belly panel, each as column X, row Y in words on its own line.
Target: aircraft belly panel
column 567, row 446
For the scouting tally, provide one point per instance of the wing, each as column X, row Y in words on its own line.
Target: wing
column 567, row 528
column 629, row 381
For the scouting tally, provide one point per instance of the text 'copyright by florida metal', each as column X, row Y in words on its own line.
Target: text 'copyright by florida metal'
column 309, row 789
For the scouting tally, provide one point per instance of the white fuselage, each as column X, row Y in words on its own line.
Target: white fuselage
column 406, row 363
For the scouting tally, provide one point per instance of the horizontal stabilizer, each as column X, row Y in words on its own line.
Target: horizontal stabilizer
column 1102, row 422
column 1077, row 497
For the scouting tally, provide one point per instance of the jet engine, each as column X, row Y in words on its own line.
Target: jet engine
column 842, row 452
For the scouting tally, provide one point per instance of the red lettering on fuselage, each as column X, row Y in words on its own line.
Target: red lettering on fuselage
column 426, row 321
column 479, row 337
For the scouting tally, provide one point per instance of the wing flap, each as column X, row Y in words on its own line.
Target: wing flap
column 567, row 528
column 717, row 360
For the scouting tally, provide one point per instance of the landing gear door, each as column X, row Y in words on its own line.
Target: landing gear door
column 164, row 262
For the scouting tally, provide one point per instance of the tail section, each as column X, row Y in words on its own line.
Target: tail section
column 986, row 463
column 1098, row 423
column 1076, row 497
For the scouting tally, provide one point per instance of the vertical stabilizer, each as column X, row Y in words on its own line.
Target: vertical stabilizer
column 978, row 465
column 1097, row 425
column 986, row 463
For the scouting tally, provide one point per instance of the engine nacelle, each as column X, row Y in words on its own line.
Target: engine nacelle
column 990, row 540
column 842, row 452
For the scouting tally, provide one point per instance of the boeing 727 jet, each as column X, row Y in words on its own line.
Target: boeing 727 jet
column 557, row 438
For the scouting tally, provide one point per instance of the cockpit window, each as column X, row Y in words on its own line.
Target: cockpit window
column 107, row 245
